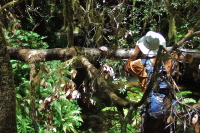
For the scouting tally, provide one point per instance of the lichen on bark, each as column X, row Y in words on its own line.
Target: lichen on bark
column 7, row 90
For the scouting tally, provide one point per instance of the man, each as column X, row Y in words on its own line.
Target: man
column 146, row 47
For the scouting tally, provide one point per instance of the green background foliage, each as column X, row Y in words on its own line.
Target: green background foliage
column 115, row 23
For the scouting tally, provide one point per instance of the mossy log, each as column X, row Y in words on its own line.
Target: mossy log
column 42, row 55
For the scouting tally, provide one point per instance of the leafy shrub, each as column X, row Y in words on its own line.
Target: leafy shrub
column 64, row 113
column 26, row 39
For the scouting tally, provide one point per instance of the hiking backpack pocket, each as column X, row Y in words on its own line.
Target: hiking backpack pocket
column 157, row 106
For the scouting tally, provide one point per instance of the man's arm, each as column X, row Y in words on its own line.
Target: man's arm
column 136, row 52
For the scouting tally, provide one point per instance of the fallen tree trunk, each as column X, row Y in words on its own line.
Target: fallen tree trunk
column 42, row 55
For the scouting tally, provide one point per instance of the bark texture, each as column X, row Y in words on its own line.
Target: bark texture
column 42, row 55
column 7, row 90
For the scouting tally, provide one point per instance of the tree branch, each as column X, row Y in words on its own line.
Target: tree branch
column 10, row 4
column 41, row 55
column 187, row 37
column 102, row 83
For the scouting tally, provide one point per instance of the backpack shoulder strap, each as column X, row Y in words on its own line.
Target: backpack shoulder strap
column 149, row 66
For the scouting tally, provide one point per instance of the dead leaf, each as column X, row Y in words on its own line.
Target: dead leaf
column 73, row 73
column 108, row 70
column 75, row 95
column 42, row 104
column 195, row 119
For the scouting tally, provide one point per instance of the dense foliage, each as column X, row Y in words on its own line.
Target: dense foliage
column 46, row 92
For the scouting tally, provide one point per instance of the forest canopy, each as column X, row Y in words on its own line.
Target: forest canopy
column 68, row 60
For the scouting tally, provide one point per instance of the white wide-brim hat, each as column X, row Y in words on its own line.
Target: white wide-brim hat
column 149, row 44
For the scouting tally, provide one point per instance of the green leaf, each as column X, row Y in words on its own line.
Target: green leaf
column 183, row 93
column 25, row 66
column 188, row 100
column 180, row 36
column 122, row 90
column 18, row 96
column 25, row 44
column 21, row 37
column 109, row 109
column 43, row 37
column 34, row 34
column 136, row 89
column 57, row 106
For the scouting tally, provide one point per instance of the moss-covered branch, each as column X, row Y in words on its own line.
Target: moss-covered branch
column 42, row 55
column 187, row 37
column 10, row 4
column 103, row 85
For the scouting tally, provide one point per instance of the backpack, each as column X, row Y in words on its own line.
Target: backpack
column 160, row 101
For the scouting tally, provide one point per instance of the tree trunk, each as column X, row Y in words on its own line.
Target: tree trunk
column 68, row 21
column 172, row 37
column 42, row 55
column 7, row 90
column 33, row 95
column 172, row 24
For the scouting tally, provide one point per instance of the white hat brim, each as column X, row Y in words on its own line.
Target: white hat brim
column 153, row 52
column 147, row 52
